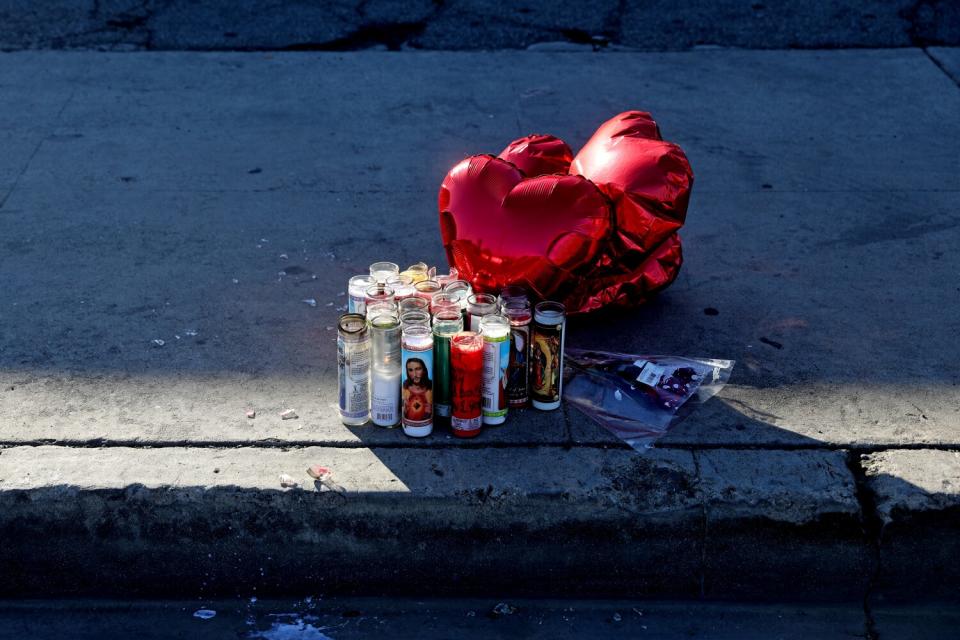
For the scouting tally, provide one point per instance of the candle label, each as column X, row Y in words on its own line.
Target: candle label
column 385, row 399
column 357, row 303
column 496, row 359
column 518, row 373
column 468, row 425
column 546, row 360
column 417, row 388
column 354, row 369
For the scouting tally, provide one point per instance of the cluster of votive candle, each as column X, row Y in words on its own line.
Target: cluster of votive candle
column 419, row 349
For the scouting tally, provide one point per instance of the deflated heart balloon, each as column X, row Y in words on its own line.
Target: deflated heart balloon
column 592, row 231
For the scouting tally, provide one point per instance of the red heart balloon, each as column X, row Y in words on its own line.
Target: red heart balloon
column 605, row 237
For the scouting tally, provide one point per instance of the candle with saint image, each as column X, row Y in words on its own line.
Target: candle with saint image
column 546, row 355
column 417, row 387
column 518, row 373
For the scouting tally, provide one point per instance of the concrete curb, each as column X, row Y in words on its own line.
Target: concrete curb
column 916, row 525
column 532, row 520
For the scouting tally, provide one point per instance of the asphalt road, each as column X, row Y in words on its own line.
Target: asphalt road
column 658, row 25
column 321, row 619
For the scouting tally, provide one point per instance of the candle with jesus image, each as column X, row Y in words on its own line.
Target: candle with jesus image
column 417, row 387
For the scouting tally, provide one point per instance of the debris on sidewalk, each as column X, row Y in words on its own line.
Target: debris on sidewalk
column 504, row 609
column 317, row 472
column 190, row 332
column 310, row 301
column 158, row 342
column 289, row 414
column 323, row 479
column 251, row 414
column 636, row 397
column 287, row 481
column 204, row 614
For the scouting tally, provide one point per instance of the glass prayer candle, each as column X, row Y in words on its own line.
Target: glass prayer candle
column 513, row 292
column 461, row 289
column 383, row 271
column 415, row 303
column 415, row 317
column 379, row 293
column 444, row 301
column 495, row 330
column 357, row 290
column 546, row 355
column 444, row 280
column 382, row 307
column 518, row 372
column 353, row 369
column 466, row 374
column 416, row 391
column 385, row 370
column 479, row 305
column 402, row 286
column 446, row 323
column 417, row 271
column 426, row 289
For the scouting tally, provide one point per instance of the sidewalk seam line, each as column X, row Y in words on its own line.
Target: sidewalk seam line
column 941, row 66
column 300, row 444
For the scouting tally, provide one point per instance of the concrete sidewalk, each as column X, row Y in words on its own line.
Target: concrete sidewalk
column 192, row 198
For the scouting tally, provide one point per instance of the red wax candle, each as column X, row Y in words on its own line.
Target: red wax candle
column 466, row 375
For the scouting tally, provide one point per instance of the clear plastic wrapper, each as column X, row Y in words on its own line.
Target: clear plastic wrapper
column 637, row 397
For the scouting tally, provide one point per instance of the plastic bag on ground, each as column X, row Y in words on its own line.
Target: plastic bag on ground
column 636, row 397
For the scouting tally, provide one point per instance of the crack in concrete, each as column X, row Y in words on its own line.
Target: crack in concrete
column 567, row 428
column 941, row 66
column 872, row 532
column 36, row 150
column 703, row 528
